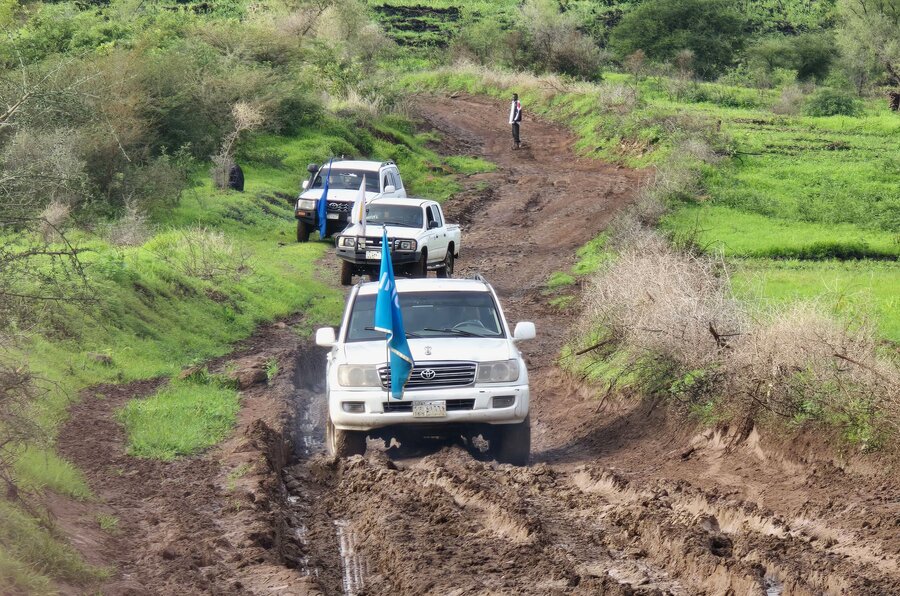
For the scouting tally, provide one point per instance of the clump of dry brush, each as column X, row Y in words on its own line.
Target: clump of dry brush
column 667, row 311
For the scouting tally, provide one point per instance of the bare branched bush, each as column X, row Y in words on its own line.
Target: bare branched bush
column 18, row 392
column 803, row 362
column 790, row 102
column 246, row 117
column 662, row 302
column 39, row 168
column 132, row 229
column 201, row 253
column 52, row 219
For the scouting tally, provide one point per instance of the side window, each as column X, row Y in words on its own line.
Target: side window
column 435, row 215
column 397, row 181
column 429, row 216
column 385, row 181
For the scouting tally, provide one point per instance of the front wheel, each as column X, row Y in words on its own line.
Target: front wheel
column 344, row 443
column 346, row 273
column 302, row 231
column 447, row 269
column 420, row 269
column 511, row 443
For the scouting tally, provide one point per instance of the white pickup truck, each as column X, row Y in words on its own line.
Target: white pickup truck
column 420, row 240
column 469, row 375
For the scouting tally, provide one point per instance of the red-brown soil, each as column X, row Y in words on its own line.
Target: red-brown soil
column 623, row 497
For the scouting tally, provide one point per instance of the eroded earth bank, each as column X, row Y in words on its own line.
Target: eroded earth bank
column 621, row 498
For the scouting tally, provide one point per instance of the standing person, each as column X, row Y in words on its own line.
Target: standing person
column 515, row 117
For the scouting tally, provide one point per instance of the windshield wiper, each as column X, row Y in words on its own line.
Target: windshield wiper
column 454, row 330
column 408, row 334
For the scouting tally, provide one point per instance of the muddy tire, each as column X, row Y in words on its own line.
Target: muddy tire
column 346, row 273
column 511, row 443
column 420, row 269
column 447, row 269
column 344, row 443
column 302, row 231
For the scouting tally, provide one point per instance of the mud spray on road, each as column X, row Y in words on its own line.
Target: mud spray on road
column 621, row 498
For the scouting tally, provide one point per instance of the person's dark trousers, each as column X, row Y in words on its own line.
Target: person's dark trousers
column 515, row 131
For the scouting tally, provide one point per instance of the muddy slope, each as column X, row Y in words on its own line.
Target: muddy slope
column 620, row 500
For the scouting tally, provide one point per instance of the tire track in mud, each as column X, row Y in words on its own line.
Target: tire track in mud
column 616, row 504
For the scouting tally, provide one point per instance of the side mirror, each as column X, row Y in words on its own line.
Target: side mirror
column 304, row 184
column 312, row 168
column 325, row 337
column 390, row 188
column 432, row 225
column 524, row 330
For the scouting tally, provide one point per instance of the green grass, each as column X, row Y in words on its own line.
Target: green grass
column 856, row 289
column 108, row 523
column 42, row 469
column 30, row 554
column 796, row 188
column 738, row 233
column 181, row 419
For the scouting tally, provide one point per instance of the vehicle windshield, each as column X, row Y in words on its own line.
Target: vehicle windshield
column 431, row 314
column 409, row 216
column 346, row 179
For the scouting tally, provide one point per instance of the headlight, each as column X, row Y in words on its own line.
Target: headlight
column 358, row 375
column 347, row 241
column 405, row 244
column 504, row 371
column 306, row 204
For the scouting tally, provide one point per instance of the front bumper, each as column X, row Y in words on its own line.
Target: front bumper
column 310, row 217
column 358, row 257
column 375, row 416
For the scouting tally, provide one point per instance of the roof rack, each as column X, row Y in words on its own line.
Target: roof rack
column 389, row 162
column 479, row 277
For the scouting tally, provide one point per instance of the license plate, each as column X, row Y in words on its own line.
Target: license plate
column 332, row 216
column 429, row 409
column 373, row 255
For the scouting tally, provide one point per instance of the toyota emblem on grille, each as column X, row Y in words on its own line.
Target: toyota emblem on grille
column 427, row 374
column 334, row 206
column 428, row 350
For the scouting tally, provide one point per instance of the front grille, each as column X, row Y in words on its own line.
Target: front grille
column 453, row 405
column 338, row 207
column 375, row 242
column 430, row 375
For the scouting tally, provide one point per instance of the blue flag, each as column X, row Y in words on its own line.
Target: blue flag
column 389, row 319
column 322, row 205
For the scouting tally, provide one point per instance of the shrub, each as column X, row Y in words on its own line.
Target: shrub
column 201, row 253
column 711, row 29
column 832, row 102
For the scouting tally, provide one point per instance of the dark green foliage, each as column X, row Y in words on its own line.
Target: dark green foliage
column 809, row 54
column 712, row 29
column 832, row 102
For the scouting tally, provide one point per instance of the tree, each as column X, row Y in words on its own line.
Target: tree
column 870, row 31
column 712, row 29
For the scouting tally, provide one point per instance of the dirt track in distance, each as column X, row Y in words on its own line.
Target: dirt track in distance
column 621, row 499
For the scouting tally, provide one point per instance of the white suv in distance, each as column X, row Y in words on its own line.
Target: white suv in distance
column 468, row 369
column 382, row 180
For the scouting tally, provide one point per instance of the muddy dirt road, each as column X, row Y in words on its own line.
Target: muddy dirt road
column 621, row 499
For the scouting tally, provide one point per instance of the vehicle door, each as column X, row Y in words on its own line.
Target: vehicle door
column 398, row 183
column 436, row 234
column 387, row 184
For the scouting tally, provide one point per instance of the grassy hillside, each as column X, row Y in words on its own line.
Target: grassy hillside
column 211, row 269
column 804, row 207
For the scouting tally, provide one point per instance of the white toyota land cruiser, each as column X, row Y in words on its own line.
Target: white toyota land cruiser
column 468, row 376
